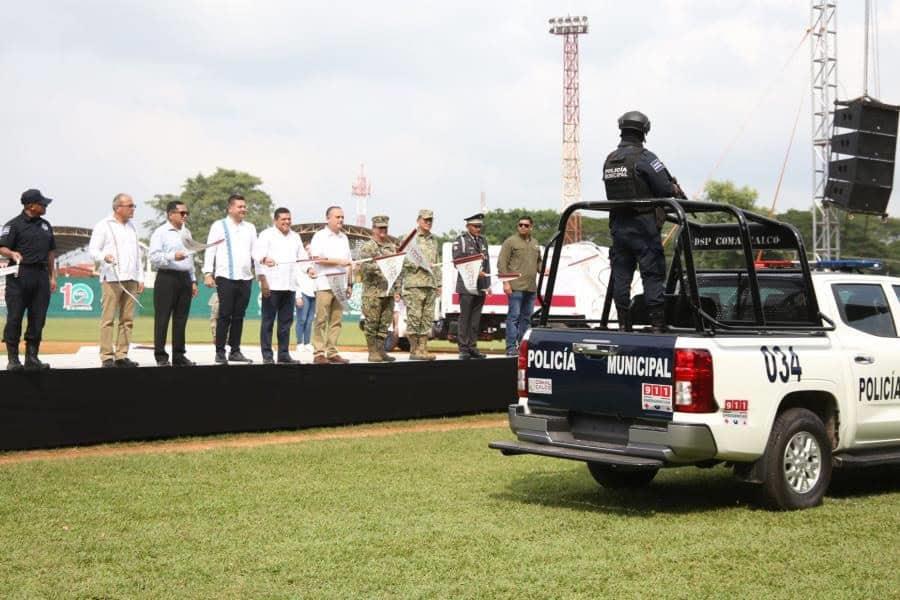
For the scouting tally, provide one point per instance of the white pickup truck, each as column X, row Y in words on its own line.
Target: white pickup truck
column 779, row 373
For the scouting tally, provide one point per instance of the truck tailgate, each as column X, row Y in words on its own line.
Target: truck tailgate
column 629, row 375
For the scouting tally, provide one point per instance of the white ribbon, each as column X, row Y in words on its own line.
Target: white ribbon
column 10, row 270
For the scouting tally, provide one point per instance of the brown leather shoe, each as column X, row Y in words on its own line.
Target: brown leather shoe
column 320, row 359
column 337, row 359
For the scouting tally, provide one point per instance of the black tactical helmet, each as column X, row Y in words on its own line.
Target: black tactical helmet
column 635, row 119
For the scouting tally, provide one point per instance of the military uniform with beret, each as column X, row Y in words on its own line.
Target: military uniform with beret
column 420, row 288
column 377, row 299
column 30, row 236
column 471, row 305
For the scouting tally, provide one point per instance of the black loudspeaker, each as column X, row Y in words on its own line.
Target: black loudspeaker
column 862, row 183
column 866, row 145
column 858, row 197
column 863, row 170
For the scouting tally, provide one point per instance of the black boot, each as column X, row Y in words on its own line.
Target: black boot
column 624, row 316
column 657, row 319
column 12, row 351
column 32, row 362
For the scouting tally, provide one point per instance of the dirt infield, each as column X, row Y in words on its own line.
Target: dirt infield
column 251, row 440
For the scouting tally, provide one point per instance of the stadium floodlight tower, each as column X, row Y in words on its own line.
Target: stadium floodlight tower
column 826, row 229
column 570, row 28
column 361, row 190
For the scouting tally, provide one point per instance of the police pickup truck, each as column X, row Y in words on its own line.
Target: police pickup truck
column 781, row 374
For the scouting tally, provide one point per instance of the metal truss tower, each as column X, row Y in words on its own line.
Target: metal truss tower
column 826, row 229
column 361, row 190
column 570, row 28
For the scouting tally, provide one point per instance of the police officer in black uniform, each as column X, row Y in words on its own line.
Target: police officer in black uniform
column 468, row 243
column 633, row 172
column 28, row 241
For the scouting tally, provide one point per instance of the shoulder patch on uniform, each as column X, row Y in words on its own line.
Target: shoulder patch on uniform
column 657, row 165
column 4, row 230
column 45, row 227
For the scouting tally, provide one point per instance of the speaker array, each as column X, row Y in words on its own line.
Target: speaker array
column 863, row 182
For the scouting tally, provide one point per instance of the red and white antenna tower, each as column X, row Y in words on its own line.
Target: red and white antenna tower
column 570, row 28
column 361, row 190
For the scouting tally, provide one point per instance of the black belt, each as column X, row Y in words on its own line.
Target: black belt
column 40, row 266
column 174, row 271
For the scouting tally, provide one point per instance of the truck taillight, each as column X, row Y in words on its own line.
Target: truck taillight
column 522, row 365
column 694, row 381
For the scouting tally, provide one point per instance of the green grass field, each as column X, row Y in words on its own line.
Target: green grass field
column 418, row 515
column 198, row 332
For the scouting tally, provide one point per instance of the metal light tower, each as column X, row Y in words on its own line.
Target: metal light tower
column 361, row 190
column 570, row 28
column 826, row 229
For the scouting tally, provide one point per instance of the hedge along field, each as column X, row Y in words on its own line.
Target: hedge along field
column 424, row 515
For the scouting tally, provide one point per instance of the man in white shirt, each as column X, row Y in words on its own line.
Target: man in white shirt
column 331, row 249
column 175, row 285
column 276, row 254
column 114, row 244
column 228, row 267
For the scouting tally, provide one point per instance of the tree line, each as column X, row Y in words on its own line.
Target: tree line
column 862, row 236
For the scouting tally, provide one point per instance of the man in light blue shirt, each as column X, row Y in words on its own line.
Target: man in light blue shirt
column 175, row 285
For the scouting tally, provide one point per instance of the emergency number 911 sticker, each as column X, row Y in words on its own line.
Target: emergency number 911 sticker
column 536, row 385
column 656, row 397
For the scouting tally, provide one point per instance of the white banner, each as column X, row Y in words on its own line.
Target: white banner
column 411, row 246
column 469, row 267
column 390, row 266
column 337, row 281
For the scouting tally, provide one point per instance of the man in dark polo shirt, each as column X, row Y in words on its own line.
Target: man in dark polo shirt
column 27, row 241
column 521, row 254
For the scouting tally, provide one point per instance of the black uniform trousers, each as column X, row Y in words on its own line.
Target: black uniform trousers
column 278, row 306
column 171, row 301
column 469, row 322
column 636, row 241
column 234, row 295
column 30, row 291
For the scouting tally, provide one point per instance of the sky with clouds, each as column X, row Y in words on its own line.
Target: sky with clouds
column 440, row 100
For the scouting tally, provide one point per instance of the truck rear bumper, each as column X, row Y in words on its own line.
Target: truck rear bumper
column 646, row 447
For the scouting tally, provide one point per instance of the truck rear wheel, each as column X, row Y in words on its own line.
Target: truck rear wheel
column 612, row 478
column 797, row 462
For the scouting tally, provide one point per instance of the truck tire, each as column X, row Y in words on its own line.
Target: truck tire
column 617, row 479
column 797, row 462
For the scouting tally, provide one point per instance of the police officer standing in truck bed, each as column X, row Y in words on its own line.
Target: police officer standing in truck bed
column 28, row 242
column 633, row 172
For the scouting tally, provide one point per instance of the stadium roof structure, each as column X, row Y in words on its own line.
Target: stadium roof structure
column 71, row 238
column 356, row 233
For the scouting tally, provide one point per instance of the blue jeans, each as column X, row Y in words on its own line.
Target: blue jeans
column 521, row 305
column 306, row 314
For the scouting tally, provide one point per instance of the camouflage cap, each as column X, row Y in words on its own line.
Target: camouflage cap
column 426, row 213
column 380, row 221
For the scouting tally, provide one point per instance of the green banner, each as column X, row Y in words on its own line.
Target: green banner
column 80, row 297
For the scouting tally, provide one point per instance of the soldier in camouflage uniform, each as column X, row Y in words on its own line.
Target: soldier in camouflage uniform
column 377, row 299
column 421, row 289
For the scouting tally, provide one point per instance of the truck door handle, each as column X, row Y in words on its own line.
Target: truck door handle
column 864, row 360
column 595, row 349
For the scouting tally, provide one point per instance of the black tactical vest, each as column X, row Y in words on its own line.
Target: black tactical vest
column 621, row 178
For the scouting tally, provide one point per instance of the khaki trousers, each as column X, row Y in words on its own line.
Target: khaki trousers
column 117, row 305
column 327, row 326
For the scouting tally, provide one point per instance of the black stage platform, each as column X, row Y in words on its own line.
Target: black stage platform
column 70, row 407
